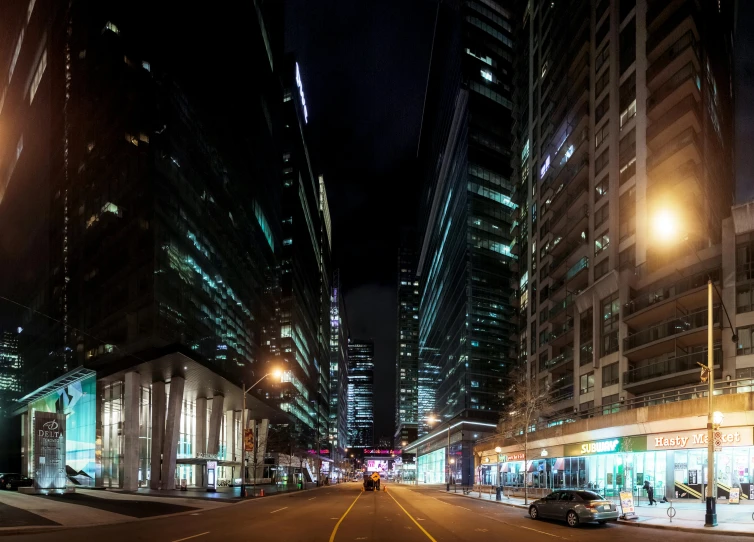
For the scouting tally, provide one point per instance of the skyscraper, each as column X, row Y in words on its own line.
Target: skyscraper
column 407, row 355
column 305, row 268
column 465, row 262
column 606, row 148
column 11, row 366
column 360, row 393
column 338, row 371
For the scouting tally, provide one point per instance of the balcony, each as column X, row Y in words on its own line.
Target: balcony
column 686, row 81
column 685, row 331
column 558, row 311
column 685, row 180
column 680, row 22
column 562, row 334
column 684, row 50
column 682, row 116
column 559, row 395
column 564, row 357
column 668, row 373
column 681, row 149
column 660, row 304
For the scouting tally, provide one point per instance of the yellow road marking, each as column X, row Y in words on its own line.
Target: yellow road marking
column 193, row 536
column 411, row 517
column 335, row 530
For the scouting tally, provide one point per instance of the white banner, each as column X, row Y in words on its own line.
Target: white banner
column 683, row 440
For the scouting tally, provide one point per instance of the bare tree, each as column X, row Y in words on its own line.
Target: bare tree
column 525, row 405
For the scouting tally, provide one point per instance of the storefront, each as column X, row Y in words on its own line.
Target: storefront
column 674, row 464
column 431, row 467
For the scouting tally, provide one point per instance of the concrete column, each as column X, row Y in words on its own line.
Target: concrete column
column 215, row 422
column 131, row 431
column 200, row 446
column 158, row 432
column 230, row 436
column 172, row 432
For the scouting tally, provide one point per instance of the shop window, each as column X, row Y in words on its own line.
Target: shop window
column 610, row 374
column 586, row 383
column 610, row 322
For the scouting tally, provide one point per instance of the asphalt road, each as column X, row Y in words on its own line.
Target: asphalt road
column 345, row 513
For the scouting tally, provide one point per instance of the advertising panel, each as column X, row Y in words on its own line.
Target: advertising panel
column 377, row 465
column 49, row 451
column 77, row 404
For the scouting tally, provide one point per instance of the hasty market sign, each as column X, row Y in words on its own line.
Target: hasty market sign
column 681, row 440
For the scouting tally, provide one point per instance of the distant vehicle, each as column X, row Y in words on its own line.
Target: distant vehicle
column 574, row 507
column 13, row 480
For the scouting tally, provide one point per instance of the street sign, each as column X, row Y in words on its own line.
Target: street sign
column 248, row 440
column 627, row 505
column 375, row 476
column 718, row 441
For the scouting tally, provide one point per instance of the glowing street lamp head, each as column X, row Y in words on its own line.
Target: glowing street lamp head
column 665, row 225
column 717, row 417
column 498, row 449
column 277, row 373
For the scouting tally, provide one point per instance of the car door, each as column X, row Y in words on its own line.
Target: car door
column 549, row 508
column 565, row 502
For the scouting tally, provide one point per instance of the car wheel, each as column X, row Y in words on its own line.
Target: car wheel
column 533, row 512
column 8, row 486
column 602, row 521
column 573, row 519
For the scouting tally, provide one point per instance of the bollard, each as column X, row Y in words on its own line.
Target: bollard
column 671, row 512
column 447, row 487
column 498, row 494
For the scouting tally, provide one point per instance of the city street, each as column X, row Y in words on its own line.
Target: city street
column 344, row 513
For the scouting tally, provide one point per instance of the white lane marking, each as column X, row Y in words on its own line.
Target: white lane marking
column 195, row 514
column 193, row 536
column 334, row 518
column 278, row 510
column 469, row 509
column 312, row 499
column 527, row 528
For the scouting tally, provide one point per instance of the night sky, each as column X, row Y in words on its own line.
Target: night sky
column 364, row 71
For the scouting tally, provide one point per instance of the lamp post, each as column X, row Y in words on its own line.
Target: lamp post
column 277, row 373
column 667, row 226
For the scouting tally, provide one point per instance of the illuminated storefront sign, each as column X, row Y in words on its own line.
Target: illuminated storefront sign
column 731, row 436
column 607, row 446
column 301, row 93
column 504, row 458
column 368, row 451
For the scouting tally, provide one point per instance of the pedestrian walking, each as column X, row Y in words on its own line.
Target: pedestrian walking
column 650, row 492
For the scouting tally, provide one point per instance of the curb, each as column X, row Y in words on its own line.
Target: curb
column 512, row 505
column 678, row 528
column 712, row 531
column 36, row 529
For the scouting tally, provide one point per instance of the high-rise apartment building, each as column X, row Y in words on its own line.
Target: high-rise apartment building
column 623, row 118
column 407, row 355
column 360, row 393
column 465, row 262
column 338, row 431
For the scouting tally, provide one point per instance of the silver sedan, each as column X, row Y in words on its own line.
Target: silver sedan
column 574, row 507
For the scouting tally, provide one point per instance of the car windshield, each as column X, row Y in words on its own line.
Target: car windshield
column 589, row 496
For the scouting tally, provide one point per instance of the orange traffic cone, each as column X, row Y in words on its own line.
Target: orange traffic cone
column 261, row 492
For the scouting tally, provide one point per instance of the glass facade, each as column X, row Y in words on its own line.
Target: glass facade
column 431, row 467
column 361, row 393
column 467, row 258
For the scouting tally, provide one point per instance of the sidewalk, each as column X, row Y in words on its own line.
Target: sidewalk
column 221, row 494
column 732, row 519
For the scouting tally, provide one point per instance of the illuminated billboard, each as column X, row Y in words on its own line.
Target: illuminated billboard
column 377, row 465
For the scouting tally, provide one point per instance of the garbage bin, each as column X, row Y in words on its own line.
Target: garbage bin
column 498, row 493
column 447, row 486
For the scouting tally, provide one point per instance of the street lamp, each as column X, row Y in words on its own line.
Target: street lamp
column 277, row 373
column 666, row 225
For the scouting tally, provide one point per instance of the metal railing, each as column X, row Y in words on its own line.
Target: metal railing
column 566, row 355
column 562, row 305
column 669, row 366
column 685, row 393
column 683, row 285
column 669, row 328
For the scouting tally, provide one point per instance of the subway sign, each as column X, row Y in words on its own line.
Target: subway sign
column 606, row 446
